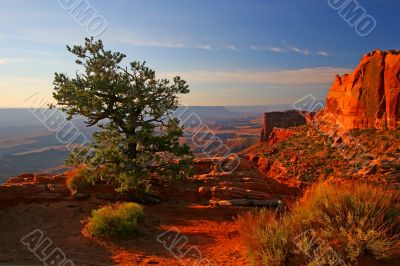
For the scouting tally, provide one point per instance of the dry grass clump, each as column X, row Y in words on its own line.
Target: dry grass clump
column 333, row 223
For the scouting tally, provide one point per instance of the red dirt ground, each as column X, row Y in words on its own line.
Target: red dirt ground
column 211, row 232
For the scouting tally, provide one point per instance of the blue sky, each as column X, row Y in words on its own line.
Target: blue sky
column 231, row 52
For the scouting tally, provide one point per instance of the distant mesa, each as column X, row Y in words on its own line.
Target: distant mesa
column 286, row 119
column 369, row 97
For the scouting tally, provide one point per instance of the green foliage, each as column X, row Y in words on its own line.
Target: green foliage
column 139, row 138
column 120, row 220
column 77, row 180
column 307, row 177
column 328, row 171
column 351, row 219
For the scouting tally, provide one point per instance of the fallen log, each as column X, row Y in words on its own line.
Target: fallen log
column 247, row 202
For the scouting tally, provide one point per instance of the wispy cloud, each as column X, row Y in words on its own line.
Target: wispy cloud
column 204, row 47
column 31, row 52
column 286, row 48
column 22, row 37
column 232, row 47
column 165, row 44
column 304, row 76
column 154, row 44
column 146, row 40
column 298, row 50
column 267, row 48
column 276, row 50
column 323, row 53
column 33, row 61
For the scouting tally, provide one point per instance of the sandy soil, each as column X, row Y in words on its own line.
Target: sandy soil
column 180, row 231
column 212, row 231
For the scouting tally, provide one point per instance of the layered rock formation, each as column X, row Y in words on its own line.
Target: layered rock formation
column 369, row 97
column 291, row 118
column 280, row 134
column 30, row 188
column 246, row 186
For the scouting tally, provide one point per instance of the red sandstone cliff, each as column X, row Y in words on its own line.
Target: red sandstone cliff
column 286, row 119
column 370, row 96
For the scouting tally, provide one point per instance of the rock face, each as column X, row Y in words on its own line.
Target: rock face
column 369, row 97
column 247, row 186
column 291, row 118
column 280, row 134
column 29, row 188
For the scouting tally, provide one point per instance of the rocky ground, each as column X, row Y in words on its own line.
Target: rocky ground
column 199, row 210
column 355, row 137
column 303, row 155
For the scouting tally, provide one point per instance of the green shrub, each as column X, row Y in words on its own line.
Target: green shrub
column 118, row 220
column 352, row 220
column 77, row 180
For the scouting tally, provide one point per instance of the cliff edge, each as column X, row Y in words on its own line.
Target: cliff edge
column 369, row 97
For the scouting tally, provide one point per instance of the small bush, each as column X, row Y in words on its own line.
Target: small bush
column 76, row 180
column 260, row 229
column 349, row 221
column 118, row 220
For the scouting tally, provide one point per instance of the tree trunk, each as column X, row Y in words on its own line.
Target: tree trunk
column 132, row 151
column 132, row 147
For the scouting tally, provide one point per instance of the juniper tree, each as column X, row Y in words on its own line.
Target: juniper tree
column 138, row 137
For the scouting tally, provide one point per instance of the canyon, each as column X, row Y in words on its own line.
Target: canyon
column 356, row 137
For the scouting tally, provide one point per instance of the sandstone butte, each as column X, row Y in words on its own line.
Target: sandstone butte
column 369, row 97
